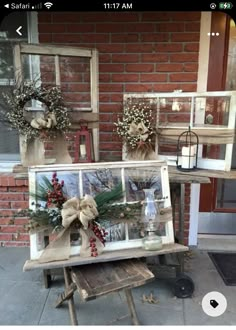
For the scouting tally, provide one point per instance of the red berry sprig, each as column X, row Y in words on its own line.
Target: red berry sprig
column 100, row 233
column 92, row 241
column 56, row 196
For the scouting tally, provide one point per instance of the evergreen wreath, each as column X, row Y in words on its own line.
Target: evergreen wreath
column 55, row 117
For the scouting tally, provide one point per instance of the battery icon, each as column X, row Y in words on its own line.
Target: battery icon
column 225, row 5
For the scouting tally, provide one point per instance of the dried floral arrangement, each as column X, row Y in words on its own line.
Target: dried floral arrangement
column 136, row 128
column 54, row 119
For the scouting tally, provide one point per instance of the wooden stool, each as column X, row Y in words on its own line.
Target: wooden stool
column 95, row 280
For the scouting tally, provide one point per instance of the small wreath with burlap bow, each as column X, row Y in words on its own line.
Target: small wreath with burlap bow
column 136, row 128
column 52, row 120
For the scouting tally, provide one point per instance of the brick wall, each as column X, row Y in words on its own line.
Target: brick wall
column 138, row 52
column 13, row 197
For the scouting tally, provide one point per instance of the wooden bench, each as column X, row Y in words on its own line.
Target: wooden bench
column 96, row 280
column 115, row 271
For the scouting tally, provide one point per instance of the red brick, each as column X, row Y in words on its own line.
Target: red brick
column 193, row 27
column 140, row 27
column 139, row 48
column 80, row 28
column 145, row 77
column 6, row 221
column 21, row 221
column 170, row 27
column 155, row 37
column 105, row 77
column 4, row 205
column 11, row 197
column 139, row 67
column 5, row 237
column 136, row 88
column 20, row 205
column 110, row 88
column 104, row 137
column 3, row 189
column 4, row 181
column 106, row 127
column 166, row 47
column 66, row 38
column 44, row 17
column 65, row 17
column 156, row 16
column 111, row 68
column 183, row 77
column 104, row 117
column 116, row 98
column 104, row 98
column 53, row 28
column 45, row 37
column 12, row 229
column 98, row 38
column 178, row 118
column 186, row 16
column 193, row 36
column 188, row 87
column 19, row 182
column 155, row 58
column 110, row 48
column 77, row 87
column 110, row 107
column 191, row 67
column 110, row 27
column 104, row 58
column 131, row 37
column 193, row 47
column 184, row 58
column 110, row 146
column 125, row 77
column 125, row 58
column 172, row 67
column 22, row 237
column 165, row 87
column 124, row 17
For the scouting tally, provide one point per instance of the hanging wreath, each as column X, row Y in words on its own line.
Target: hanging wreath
column 54, row 119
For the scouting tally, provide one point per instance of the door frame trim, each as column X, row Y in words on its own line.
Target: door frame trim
column 203, row 64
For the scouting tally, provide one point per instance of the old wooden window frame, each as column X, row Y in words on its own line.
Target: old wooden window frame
column 90, row 114
column 175, row 130
column 36, row 239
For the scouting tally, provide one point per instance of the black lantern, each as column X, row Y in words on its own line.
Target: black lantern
column 84, row 152
column 187, row 151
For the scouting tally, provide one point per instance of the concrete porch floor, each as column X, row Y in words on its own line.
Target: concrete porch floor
column 25, row 301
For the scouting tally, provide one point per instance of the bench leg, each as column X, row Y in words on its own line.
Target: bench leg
column 131, row 306
column 71, row 304
column 47, row 278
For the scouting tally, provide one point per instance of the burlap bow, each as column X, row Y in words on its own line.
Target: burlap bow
column 84, row 210
column 42, row 122
column 139, row 130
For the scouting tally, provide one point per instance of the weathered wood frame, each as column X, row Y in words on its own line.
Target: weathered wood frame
column 36, row 239
column 89, row 114
column 207, row 134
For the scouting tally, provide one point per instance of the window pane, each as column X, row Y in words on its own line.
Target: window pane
column 9, row 139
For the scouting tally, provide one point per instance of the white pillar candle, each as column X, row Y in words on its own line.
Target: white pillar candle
column 188, row 156
column 83, row 150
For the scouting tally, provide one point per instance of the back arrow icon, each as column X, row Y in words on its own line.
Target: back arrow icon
column 18, row 30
